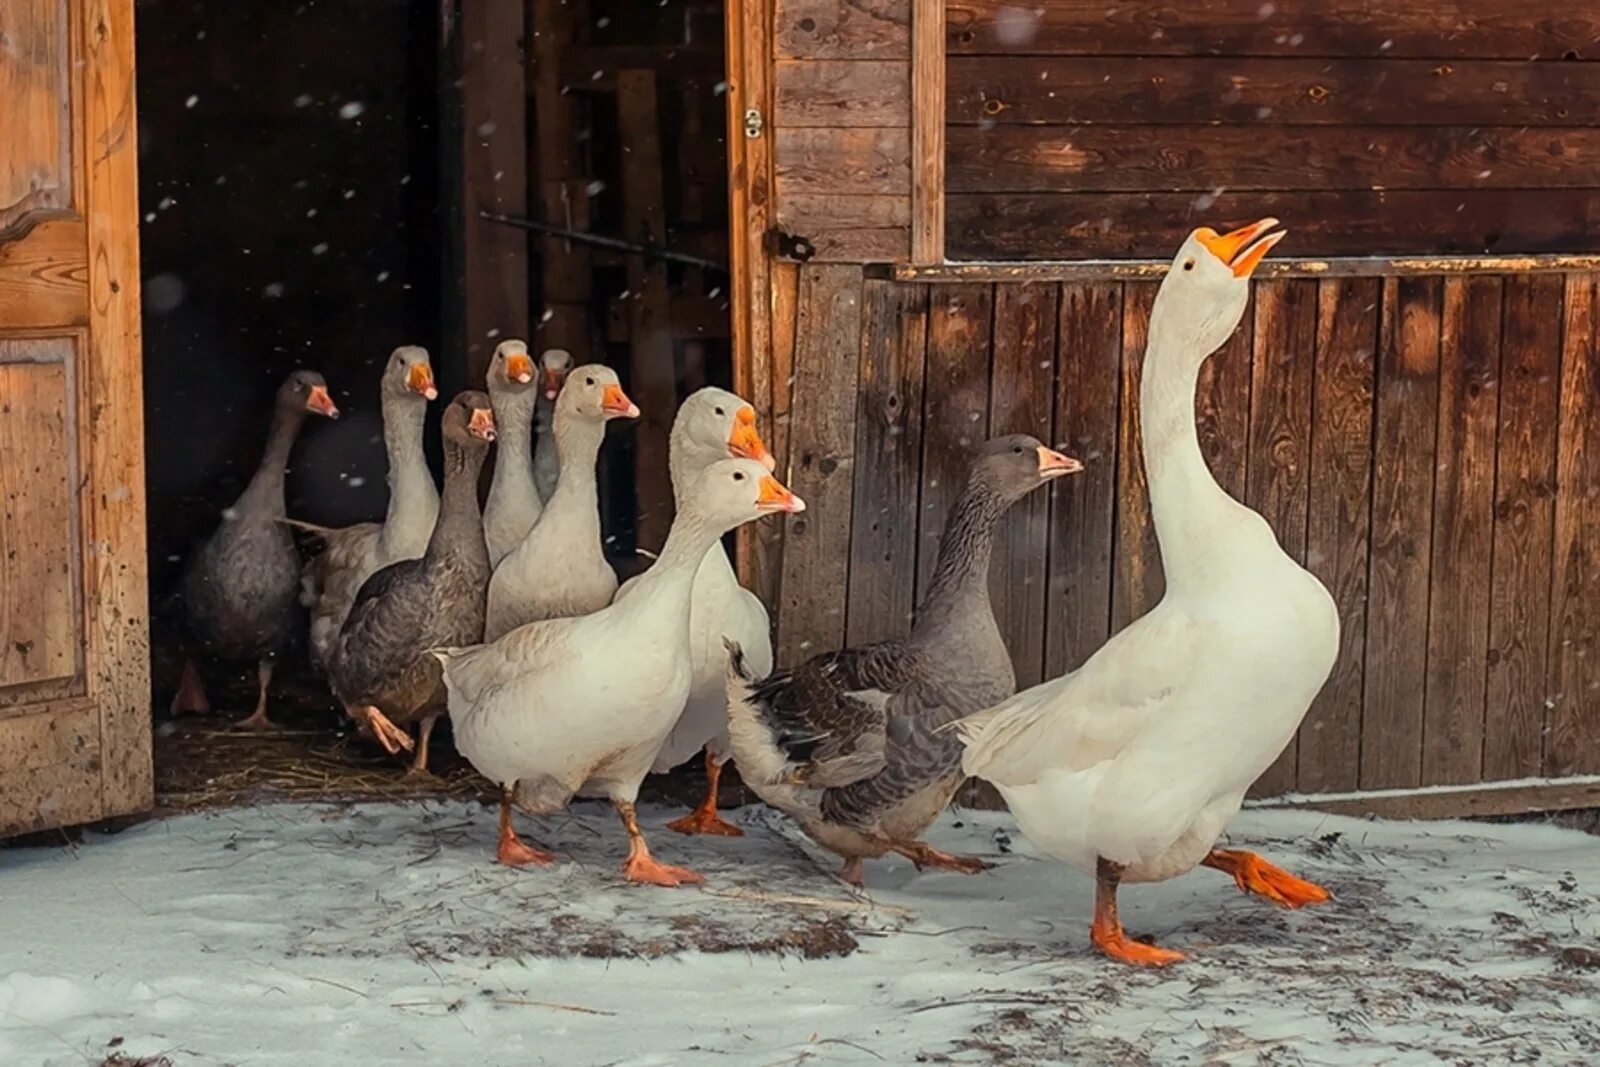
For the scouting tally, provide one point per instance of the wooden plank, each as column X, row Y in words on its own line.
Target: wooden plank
column 1088, row 380
column 1022, row 400
column 44, row 280
column 816, row 543
column 1136, row 581
column 494, row 128
column 1524, row 519
column 762, row 569
column 1222, row 405
column 1572, row 728
column 651, row 380
column 116, row 596
column 39, row 632
column 1337, row 520
column 927, row 131
column 851, row 229
column 1335, row 223
column 827, row 29
column 1462, row 802
column 1265, row 94
column 883, row 541
column 752, row 296
column 1084, row 270
column 1406, row 419
column 841, row 162
column 839, row 93
column 1280, row 439
column 1444, row 29
column 955, row 410
column 1083, row 159
column 1463, row 528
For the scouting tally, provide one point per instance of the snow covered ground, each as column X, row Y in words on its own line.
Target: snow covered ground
column 381, row 934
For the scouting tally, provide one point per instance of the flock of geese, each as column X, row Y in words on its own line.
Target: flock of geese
column 560, row 684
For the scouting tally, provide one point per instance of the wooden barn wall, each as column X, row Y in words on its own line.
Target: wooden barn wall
column 841, row 128
column 1079, row 129
column 1428, row 446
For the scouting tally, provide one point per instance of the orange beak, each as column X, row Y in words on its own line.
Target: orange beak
column 1243, row 249
column 615, row 403
column 774, row 497
column 745, row 442
column 553, row 380
column 420, row 381
column 1053, row 464
column 519, row 368
column 482, row 424
column 320, row 402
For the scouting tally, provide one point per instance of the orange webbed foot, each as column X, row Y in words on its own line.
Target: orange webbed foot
column 703, row 820
column 646, row 870
column 1119, row 946
column 514, row 852
column 924, row 855
column 1256, row 876
column 257, row 721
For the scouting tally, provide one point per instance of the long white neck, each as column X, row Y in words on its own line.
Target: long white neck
column 513, row 465
column 1192, row 512
column 576, row 500
column 665, row 590
column 413, row 497
column 686, row 461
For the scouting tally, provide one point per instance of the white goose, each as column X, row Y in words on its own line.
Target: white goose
column 554, row 365
column 560, row 567
column 1130, row 767
column 351, row 555
column 711, row 425
column 581, row 705
column 513, row 505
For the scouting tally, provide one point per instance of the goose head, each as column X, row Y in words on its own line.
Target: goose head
column 409, row 374
column 593, row 393
column 1204, row 295
column 510, row 369
column 732, row 492
column 469, row 420
column 1017, row 464
column 306, row 390
column 554, row 366
column 715, row 424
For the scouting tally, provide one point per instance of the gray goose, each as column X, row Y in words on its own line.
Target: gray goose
column 849, row 743
column 240, row 589
column 377, row 665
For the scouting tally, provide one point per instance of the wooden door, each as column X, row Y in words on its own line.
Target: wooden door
column 74, row 639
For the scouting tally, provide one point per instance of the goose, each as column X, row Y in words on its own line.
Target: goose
column 554, row 364
column 514, row 504
column 712, row 424
column 560, row 567
column 350, row 555
column 239, row 588
column 1130, row 767
column 379, row 665
column 851, row 743
column 581, row 705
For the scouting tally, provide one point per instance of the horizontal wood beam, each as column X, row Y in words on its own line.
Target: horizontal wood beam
column 1519, row 797
column 1149, row 269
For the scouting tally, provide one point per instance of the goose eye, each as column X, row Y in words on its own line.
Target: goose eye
column 720, row 413
column 1188, row 264
column 1016, row 450
column 738, row 476
column 588, row 381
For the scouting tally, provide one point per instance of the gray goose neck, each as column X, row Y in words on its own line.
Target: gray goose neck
column 960, row 583
column 264, row 495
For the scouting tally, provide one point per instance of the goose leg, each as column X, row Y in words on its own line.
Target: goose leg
column 640, row 866
column 853, row 872
column 419, row 760
column 1256, row 876
column 191, row 694
column 1106, row 931
column 258, row 719
column 704, row 819
column 925, row 855
column 513, row 851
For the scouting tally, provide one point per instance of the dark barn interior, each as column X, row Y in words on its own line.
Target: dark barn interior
column 308, row 196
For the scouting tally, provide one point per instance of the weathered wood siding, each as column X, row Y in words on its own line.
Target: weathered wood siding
column 841, row 128
column 1082, row 130
column 1429, row 447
